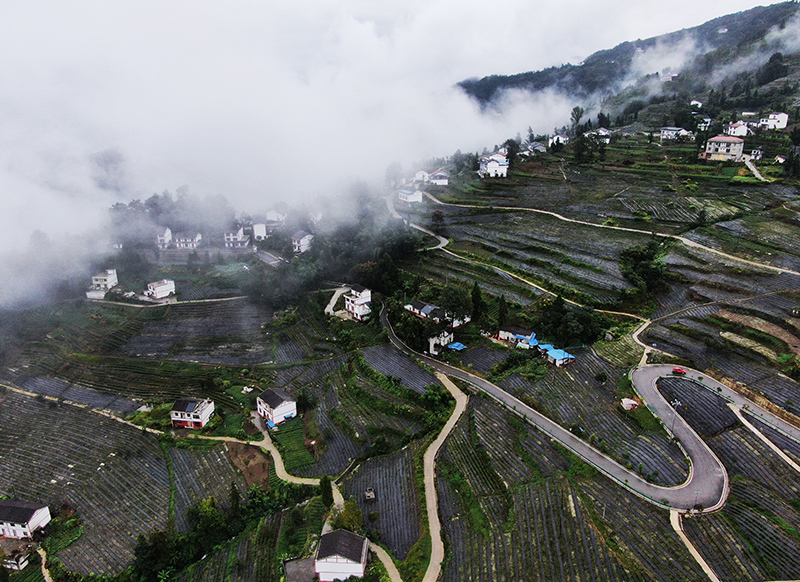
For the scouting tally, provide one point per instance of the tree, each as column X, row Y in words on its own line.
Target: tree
column 235, row 501
column 437, row 221
column 512, row 149
column 577, row 115
column 502, row 311
column 478, row 304
column 326, row 490
column 350, row 518
column 580, row 150
column 456, row 302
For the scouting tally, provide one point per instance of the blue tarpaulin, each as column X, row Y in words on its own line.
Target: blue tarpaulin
column 457, row 346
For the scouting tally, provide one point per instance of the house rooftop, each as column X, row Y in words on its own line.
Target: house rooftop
column 274, row 397
column 13, row 511
column 727, row 139
column 300, row 234
column 189, row 405
column 342, row 543
column 357, row 288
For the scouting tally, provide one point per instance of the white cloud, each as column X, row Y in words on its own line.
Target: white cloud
column 263, row 101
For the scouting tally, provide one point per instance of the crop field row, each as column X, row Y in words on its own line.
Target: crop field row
column 201, row 474
column 295, row 377
column 482, row 359
column 389, row 361
column 60, row 389
column 396, row 504
column 706, row 413
column 788, row 445
column 622, row 353
column 113, row 475
column 573, row 396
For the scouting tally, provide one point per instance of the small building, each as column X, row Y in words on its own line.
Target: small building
column 274, row 406
column 440, row 178
column 160, row 289
column 164, row 239
column 774, row 121
column 301, row 241
column 185, row 240
column 559, row 357
column 493, row 166
column 19, row 519
column 670, row 133
column 559, row 139
column 437, row 342
column 102, row 283
column 421, row 176
column 599, row 135
column 703, row 121
column 357, row 302
column 756, row 154
column 410, row 197
column 544, row 348
column 259, row 232
column 237, row 239
column 17, row 560
column 696, row 103
column 191, row 412
column 518, row 336
column 275, row 220
column 738, row 129
column 341, row 554
column 629, row 404
column 724, row 148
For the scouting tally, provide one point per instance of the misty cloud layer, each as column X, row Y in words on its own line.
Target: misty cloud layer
column 105, row 101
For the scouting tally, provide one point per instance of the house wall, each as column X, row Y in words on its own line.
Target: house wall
column 278, row 415
column 23, row 530
column 337, row 568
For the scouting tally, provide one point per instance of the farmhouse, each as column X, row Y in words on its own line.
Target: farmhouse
column 274, row 406
column 237, row 239
column 259, row 231
column 674, row 133
column 703, row 121
column 102, row 283
column 559, row 357
column 437, row 342
column 357, row 302
column 421, row 176
column 558, row 139
column 275, row 220
column 191, row 413
column 19, row 519
column 599, row 135
column 301, row 241
column 341, row 554
column 410, row 197
column 160, row 289
column 520, row 337
column 164, row 240
column 440, row 178
column 774, row 121
column 433, row 312
column 184, row 240
column 16, row 560
column 494, row 166
column 724, row 148
column 738, row 129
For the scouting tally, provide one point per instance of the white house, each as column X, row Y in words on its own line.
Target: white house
column 724, row 148
column 19, row 519
column 558, row 139
column 738, row 129
column 494, row 166
column 357, row 302
column 184, row 240
column 105, row 281
column 275, row 219
column 421, row 176
column 160, row 289
column 17, row 560
column 703, row 121
column 259, row 231
column 164, row 240
column 437, row 342
column 559, row 357
column 191, row 412
column 410, row 197
column 599, row 135
column 696, row 103
column 673, row 133
column 440, row 178
column 237, row 239
column 341, row 554
column 434, row 312
column 274, row 406
column 301, row 241
column 520, row 337
column 774, row 121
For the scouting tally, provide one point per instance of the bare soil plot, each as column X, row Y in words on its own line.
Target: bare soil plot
column 252, row 462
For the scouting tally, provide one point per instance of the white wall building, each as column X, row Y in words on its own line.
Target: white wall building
column 19, row 519
column 274, row 406
column 237, row 239
column 105, row 281
column 774, row 121
column 160, row 289
column 437, row 342
column 301, row 241
column 410, row 197
column 724, row 148
column 341, row 554
column 164, row 240
column 738, row 129
column 259, row 231
column 357, row 302
column 493, row 166
column 185, row 240
column 191, row 412
column 439, row 178
column 421, row 176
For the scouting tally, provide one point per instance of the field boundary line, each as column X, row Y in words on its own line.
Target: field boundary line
column 737, row 410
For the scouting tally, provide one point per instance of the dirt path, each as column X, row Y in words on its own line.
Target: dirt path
column 332, row 303
column 752, row 167
column 677, row 524
column 387, row 561
column 45, row 571
column 429, row 464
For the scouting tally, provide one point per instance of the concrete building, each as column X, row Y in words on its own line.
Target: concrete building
column 19, row 519
column 191, row 413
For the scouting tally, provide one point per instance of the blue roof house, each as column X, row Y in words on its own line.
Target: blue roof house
column 559, row 357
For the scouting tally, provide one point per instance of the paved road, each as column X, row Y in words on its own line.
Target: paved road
column 707, row 485
column 441, row 241
column 269, row 258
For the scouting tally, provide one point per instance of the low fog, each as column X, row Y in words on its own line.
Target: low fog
column 106, row 102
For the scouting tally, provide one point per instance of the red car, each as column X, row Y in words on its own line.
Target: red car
column 678, row 371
